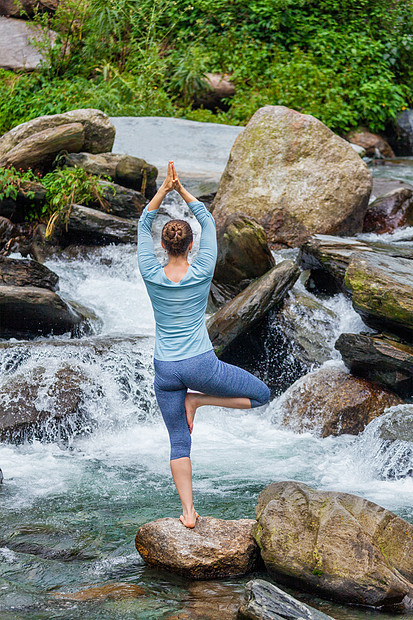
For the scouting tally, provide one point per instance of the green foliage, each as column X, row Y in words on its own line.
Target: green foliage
column 348, row 62
column 12, row 181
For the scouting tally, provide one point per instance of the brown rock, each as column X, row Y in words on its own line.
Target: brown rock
column 40, row 149
column 99, row 133
column 14, row 8
column 306, row 179
column 23, row 272
column 374, row 145
column 389, row 212
column 335, row 544
column 251, row 305
column 112, row 591
column 24, row 415
column 329, row 401
column 243, row 252
column 213, row 549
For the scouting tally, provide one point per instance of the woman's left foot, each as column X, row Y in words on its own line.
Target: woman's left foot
column 191, row 405
column 189, row 521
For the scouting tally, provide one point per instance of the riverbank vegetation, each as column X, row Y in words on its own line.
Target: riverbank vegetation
column 347, row 62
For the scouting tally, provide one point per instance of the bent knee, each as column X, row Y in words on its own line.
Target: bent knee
column 262, row 398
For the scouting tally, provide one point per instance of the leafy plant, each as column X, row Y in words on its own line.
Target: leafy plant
column 13, row 181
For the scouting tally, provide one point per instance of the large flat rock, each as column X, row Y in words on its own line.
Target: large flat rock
column 17, row 52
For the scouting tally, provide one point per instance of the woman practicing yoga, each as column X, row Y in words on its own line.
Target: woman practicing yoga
column 184, row 357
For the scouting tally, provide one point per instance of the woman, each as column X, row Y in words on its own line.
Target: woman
column 184, row 357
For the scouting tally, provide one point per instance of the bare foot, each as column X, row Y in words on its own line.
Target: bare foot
column 191, row 405
column 190, row 520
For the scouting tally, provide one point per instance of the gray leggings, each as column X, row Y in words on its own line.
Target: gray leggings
column 201, row 373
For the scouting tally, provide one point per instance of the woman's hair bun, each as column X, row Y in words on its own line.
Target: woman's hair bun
column 176, row 237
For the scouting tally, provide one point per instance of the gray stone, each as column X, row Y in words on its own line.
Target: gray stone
column 403, row 139
column 24, row 272
column 381, row 358
column 99, row 133
column 335, row 544
column 96, row 227
column 120, row 201
column 213, row 549
column 29, row 311
column 307, row 180
column 264, row 601
column 17, row 52
column 251, row 305
column 14, row 8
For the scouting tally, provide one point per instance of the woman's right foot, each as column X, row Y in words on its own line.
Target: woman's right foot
column 191, row 405
column 189, row 520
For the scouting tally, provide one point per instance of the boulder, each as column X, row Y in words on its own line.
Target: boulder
column 329, row 401
column 401, row 137
column 264, row 601
column 40, row 149
column 218, row 86
column 7, row 232
column 29, row 311
column 97, row 227
column 24, row 272
column 120, row 201
column 44, row 405
column 125, row 170
column 99, row 133
column 251, row 305
column 28, row 194
column 17, row 51
column 384, row 185
column 335, row 544
column 15, row 8
column 307, row 180
column 382, row 290
column 386, row 444
column 381, row 358
column 328, row 258
column 373, row 144
column 308, row 324
column 214, row 549
column 389, row 212
column 243, row 252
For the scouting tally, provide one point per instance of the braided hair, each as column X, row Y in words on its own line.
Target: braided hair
column 176, row 237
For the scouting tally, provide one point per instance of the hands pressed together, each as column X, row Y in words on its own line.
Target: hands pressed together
column 172, row 181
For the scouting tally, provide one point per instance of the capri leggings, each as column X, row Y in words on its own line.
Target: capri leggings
column 201, row 373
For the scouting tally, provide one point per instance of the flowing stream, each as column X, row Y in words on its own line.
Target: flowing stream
column 70, row 508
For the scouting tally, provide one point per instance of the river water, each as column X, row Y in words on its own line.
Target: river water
column 70, row 509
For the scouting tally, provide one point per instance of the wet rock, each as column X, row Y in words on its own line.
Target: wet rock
column 45, row 405
column 24, row 272
column 382, row 290
column 93, row 227
column 307, row 180
column 374, row 145
column 120, row 201
column 401, row 138
column 335, row 544
column 243, row 252
column 209, row 600
column 307, row 323
column 125, row 170
column 14, row 8
column 1, row 477
column 329, row 401
column 29, row 311
column 212, row 550
column 381, row 358
column 40, row 149
column 389, row 212
column 251, row 305
column 386, row 445
column 111, row 591
column 99, row 133
column 328, row 258
column 384, row 185
column 17, row 49
column 30, row 193
column 7, row 232
column 264, row 601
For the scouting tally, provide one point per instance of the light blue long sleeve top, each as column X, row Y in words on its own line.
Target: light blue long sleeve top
column 179, row 307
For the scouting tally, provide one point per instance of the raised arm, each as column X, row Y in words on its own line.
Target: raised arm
column 146, row 254
column 207, row 255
